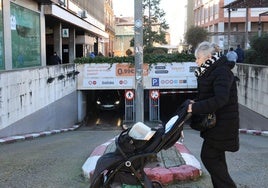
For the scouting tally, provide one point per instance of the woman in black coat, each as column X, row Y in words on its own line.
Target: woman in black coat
column 217, row 93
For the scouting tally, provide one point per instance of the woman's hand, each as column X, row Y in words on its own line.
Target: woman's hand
column 189, row 110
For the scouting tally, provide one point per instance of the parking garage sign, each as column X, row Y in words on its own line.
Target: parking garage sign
column 171, row 76
column 122, row 76
column 105, row 76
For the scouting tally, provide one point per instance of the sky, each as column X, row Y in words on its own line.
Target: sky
column 174, row 15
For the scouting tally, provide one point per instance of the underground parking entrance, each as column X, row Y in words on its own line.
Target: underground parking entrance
column 110, row 109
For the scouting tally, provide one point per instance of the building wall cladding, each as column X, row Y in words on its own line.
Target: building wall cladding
column 253, row 87
column 30, row 104
column 94, row 7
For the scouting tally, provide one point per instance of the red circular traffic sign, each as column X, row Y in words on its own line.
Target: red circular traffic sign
column 154, row 94
column 129, row 94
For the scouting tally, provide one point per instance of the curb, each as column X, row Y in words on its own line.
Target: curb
column 12, row 139
column 190, row 171
column 253, row 132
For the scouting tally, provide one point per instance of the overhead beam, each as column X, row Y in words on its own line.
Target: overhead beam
column 247, row 3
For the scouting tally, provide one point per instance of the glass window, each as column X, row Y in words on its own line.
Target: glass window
column 2, row 64
column 25, row 37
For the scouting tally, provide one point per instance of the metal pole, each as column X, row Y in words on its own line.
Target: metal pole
column 229, row 27
column 246, row 28
column 259, row 26
column 138, row 45
column 149, row 24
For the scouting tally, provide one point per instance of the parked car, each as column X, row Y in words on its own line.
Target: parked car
column 108, row 100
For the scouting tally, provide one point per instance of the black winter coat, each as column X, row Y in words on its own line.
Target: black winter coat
column 217, row 92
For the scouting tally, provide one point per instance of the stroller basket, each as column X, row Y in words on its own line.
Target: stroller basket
column 125, row 166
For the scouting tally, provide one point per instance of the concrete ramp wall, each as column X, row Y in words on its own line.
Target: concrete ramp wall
column 253, row 87
column 29, row 103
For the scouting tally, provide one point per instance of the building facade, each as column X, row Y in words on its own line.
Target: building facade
column 109, row 27
column 35, row 97
column 74, row 28
column 189, row 18
column 228, row 27
column 32, row 30
column 124, row 29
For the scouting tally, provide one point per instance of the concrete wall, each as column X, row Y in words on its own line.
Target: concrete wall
column 253, row 87
column 28, row 103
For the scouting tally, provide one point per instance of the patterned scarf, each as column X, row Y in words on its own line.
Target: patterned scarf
column 204, row 67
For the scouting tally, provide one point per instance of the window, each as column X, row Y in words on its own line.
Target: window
column 25, row 37
column 2, row 64
column 211, row 13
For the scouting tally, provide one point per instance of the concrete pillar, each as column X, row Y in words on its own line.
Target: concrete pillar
column 7, row 35
column 221, row 37
column 221, row 27
column 57, row 35
column 71, row 45
column 82, row 106
column 214, row 38
column 96, row 45
column 43, row 37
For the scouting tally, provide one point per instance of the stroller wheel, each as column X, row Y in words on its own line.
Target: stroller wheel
column 157, row 184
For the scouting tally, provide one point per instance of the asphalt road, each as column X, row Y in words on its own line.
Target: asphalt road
column 49, row 162
column 248, row 167
column 55, row 161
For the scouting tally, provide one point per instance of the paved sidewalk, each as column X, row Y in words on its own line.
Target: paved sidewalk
column 12, row 139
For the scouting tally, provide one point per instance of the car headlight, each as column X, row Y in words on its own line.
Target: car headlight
column 98, row 102
column 117, row 102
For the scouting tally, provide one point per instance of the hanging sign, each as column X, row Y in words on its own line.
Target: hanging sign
column 65, row 33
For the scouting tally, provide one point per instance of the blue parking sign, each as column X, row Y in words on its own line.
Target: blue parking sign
column 155, row 81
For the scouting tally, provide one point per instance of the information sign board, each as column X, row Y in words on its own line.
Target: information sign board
column 122, row 76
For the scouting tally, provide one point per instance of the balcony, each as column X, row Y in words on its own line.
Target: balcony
column 109, row 28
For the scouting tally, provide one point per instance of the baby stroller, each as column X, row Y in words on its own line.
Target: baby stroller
column 125, row 166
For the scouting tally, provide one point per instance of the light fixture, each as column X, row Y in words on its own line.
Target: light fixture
column 76, row 72
column 50, row 80
column 69, row 74
column 60, row 77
